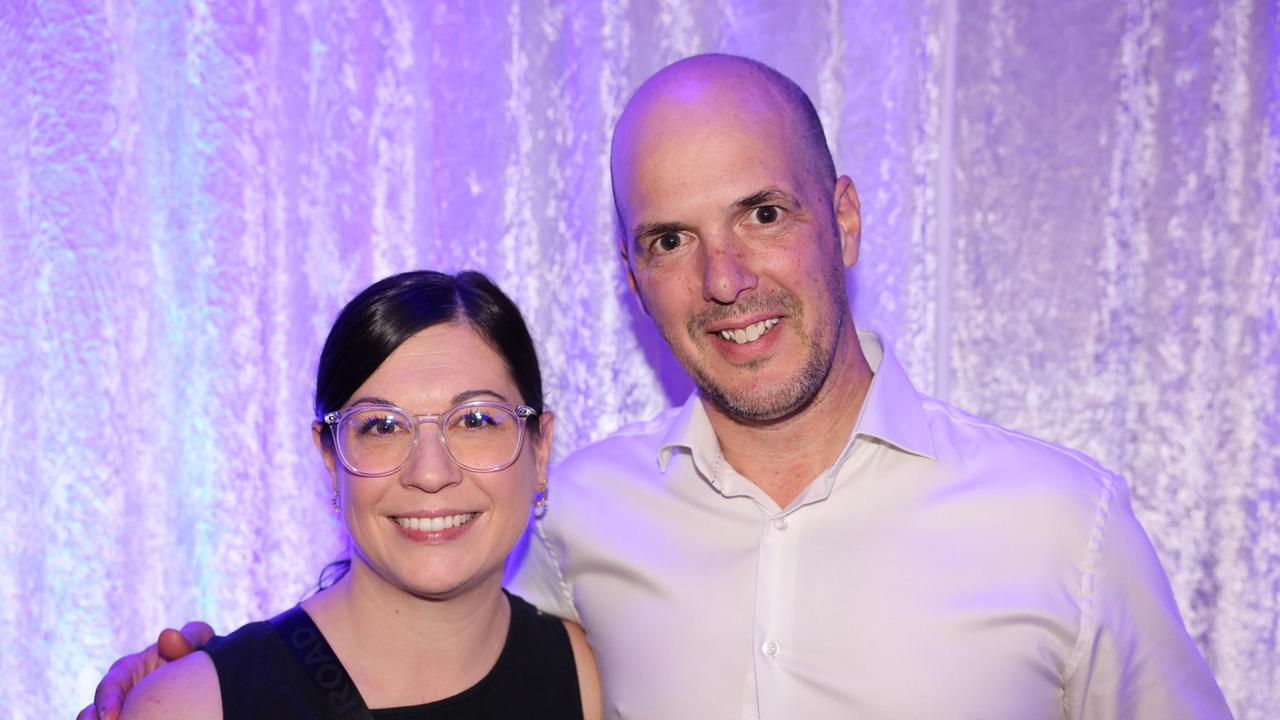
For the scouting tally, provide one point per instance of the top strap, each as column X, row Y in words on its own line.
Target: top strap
column 321, row 665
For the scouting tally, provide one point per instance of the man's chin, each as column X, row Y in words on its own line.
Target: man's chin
column 752, row 406
column 761, row 396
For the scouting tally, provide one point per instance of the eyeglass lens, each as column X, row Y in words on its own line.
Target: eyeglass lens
column 478, row 437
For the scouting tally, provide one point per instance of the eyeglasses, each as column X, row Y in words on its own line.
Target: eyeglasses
column 376, row 440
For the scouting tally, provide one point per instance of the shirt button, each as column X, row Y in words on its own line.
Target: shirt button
column 770, row 648
column 781, row 523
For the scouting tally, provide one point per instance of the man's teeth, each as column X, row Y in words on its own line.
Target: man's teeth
column 750, row 333
column 435, row 524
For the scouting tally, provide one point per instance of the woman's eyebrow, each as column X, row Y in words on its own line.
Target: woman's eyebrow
column 371, row 400
column 458, row 399
column 472, row 394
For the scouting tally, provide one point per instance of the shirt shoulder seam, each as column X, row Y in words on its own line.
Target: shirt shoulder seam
column 566, row 589
column 960, row 417
column 1088, row 584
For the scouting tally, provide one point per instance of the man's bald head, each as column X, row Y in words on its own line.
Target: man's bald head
column 728, row 84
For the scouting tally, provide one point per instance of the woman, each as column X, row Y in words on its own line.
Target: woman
column 431, row 424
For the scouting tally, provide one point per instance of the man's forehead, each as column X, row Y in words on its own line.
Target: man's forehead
column 732, row 148
column 705, row 91
column 705, row 117
column 693, row 76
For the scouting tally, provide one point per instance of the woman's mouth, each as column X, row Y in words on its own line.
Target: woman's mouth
column 434, row 524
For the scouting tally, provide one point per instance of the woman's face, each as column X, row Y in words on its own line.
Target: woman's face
column 428, row 374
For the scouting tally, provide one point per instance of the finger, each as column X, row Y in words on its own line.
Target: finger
column 173, row 645
column 197, row 633
column 109, row 696
column 88, row 713
column 143, row 664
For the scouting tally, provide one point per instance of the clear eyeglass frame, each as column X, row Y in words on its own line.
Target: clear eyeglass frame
column 521, row 413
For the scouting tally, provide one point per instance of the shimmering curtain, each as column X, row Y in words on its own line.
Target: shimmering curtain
column 1072, row 226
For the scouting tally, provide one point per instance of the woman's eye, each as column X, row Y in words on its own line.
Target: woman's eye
column 385, row 425
column 766, row 214
column 476, row 420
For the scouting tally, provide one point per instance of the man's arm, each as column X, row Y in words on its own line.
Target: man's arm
column 533, row 572
column 129, row 670
column 1137, row 659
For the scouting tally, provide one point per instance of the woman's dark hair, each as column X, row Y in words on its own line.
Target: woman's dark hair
column 394, row 309
column 390, row 311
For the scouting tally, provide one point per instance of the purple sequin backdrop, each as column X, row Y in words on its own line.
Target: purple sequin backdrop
column 1071, row 226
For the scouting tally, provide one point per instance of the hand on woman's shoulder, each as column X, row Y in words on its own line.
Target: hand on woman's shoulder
column 187, row 688
column 588, row 677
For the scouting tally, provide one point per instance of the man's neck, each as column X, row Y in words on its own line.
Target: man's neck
column 783, row 457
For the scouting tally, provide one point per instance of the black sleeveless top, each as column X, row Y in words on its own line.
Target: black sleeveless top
column 534, row 677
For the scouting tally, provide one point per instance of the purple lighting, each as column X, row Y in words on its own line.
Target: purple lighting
column 1071, row 226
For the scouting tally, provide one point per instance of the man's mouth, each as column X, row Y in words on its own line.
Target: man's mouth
column 750, row 333
column 434, row 524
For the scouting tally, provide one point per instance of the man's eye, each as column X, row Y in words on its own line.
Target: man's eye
column 766, row 214
column 667, row 243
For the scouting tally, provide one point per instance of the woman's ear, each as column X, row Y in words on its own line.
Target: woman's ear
column 542, row 444
column 318, row 432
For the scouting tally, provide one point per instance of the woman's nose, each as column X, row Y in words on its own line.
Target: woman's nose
column 430, row 468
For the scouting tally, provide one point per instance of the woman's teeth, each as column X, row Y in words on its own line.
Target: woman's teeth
column 750, row 333
column 434, row 524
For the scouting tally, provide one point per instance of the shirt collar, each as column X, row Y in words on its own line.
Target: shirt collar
column 691, row 431
column 893, row 412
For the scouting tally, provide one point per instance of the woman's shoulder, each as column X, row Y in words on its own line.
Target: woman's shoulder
column 555, row 659
column 186, row 688
column 250, row 638
column 547, row 636
column 584, row 661
column 197, row 685
column 527, row 618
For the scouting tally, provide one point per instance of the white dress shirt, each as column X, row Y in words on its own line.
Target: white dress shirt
column 942, row 567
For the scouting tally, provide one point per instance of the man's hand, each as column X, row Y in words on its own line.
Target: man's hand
column 129, row 670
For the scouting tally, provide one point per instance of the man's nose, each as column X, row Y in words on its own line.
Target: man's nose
column 728, row 271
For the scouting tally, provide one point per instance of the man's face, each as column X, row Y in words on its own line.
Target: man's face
column 733, row 247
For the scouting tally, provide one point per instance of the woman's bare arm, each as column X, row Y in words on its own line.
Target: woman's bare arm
column 588, row 677
column 186, row 688
column 129, row 670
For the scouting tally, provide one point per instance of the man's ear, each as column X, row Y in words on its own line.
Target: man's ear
column 848, row 210
column 326, row 452
column 631, row 274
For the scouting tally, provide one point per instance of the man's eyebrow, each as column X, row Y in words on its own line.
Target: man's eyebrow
column 770, row 196
column 767, row 196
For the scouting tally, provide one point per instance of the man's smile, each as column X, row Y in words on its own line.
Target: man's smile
column 748, row 333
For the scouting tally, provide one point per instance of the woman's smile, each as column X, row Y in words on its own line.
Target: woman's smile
column 434, row 528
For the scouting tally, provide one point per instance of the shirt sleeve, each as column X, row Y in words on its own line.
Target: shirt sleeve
column 533, row 572
column 1135, row 658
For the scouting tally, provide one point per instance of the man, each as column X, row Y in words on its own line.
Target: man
column 808, row 536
